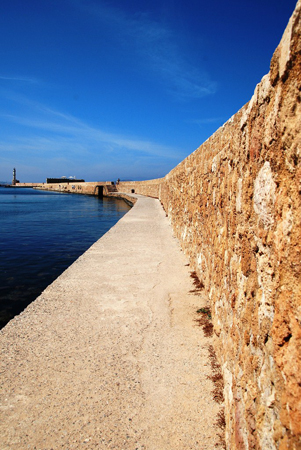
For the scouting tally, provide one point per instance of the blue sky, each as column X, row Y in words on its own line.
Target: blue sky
column 125, row 89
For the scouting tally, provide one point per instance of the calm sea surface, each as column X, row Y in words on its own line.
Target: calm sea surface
column 41, row 234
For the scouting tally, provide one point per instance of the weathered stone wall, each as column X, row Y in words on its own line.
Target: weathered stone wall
column 235, row 206
column 26, row 185
column 87, row 188
column 149, row 188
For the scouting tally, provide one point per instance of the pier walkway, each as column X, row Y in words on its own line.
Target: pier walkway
column 110, row 355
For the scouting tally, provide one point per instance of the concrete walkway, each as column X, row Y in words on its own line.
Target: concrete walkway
column 110, row 355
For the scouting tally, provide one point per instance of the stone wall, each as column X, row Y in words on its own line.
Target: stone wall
column 149, row 188
column 87, row 188
column 78, row 188
column 27, row 185
column 235, row 206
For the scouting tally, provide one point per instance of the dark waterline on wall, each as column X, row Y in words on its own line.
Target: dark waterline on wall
column 41, row 234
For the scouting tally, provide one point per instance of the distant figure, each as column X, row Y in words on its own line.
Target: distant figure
column 118, row 181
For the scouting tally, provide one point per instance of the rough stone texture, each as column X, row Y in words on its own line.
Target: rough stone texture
column 87, row 188
column 235, row 206
column 110, row 356
column 149, row 188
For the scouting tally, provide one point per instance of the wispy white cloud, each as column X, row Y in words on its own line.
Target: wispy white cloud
column 30, row 80
column 155, row 44
column 49, row 130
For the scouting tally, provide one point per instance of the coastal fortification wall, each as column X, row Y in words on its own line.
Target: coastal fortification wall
column 235, row 206
column 150, row 188
column 82, row 188
column 87, row 188
column 27, row 185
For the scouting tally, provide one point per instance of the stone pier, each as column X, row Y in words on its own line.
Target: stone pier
column 110, row 356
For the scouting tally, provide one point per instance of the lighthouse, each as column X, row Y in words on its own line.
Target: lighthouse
column 15, row 181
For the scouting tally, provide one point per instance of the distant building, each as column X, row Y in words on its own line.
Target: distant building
column 64, row 180
column 15, row 181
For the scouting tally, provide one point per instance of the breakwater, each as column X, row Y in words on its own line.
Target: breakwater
column 97, row 188
column 109, row 356
column 149, row 188
column 235, row 206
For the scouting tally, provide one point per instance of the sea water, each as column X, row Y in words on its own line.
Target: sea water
column 41, row 234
